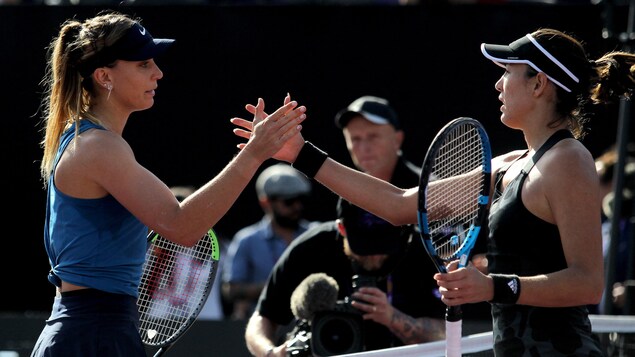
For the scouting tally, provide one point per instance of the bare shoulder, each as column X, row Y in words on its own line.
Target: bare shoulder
column 501, row 160
column 93, row 159
column 102, row 144
column 568, row 156
column 101, row 137
column 570, row 166
column 566, row 177
column 510, row 156
column 99, row 153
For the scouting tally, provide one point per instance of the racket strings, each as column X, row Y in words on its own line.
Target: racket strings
column 459, row 161
column 173, row 285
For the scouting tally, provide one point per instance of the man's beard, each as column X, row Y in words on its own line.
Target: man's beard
column 387, row 267
column 285, row 221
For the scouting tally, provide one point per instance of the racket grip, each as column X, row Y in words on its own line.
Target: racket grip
column 453, row 331
column 453, row 313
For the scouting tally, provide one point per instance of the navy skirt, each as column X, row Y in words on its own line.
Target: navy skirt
column 91, row 323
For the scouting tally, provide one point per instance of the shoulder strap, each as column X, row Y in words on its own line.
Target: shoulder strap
column 553, row 139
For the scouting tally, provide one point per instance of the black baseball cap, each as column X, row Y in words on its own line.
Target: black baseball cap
column 374, row 109
column 544, row 56
column 368, row 234
column 135, row 45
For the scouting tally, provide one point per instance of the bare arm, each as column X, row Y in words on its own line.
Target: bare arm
column 259, row 336
column 412, row 330
column 103, row 163
column 375, row 305
column 396, row 205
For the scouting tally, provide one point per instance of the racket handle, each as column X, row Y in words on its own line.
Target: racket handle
column 453, row 313
column 453, row 338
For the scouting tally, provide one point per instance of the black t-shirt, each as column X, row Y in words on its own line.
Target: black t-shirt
column 320, row 249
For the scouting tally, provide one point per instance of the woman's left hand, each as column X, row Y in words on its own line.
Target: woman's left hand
column 290, row 149
column 373, row 303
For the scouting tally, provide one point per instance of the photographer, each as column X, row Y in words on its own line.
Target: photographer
column 402, row 309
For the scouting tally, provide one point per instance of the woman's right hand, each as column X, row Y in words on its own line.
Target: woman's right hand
column 464, row 285
column 290, row 143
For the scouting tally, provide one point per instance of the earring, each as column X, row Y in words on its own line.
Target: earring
column 109, row 87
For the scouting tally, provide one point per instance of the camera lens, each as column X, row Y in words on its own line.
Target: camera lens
column 338, row 337
column 336, row 333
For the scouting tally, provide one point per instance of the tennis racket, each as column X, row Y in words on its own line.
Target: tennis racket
column 175, row 284
column 453, row 202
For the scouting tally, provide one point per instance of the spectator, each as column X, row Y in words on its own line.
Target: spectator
column 400, row 310
column 282, row 192
column 374, row 136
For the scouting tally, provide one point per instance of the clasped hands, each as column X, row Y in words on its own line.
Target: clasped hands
column 290, row 116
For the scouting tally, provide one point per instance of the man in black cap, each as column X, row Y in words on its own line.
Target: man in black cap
column 374, row 137
column 401, row 309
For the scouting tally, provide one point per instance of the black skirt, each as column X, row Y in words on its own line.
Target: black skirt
column 91, row 323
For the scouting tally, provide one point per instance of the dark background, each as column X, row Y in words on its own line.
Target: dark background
column 425, row 59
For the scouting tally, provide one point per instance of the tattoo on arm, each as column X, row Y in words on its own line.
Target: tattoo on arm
column 410, row 330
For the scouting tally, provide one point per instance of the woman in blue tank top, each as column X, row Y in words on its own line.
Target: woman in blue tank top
column 101, row 202
column 545, row 259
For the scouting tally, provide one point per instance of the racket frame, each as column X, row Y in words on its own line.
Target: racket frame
column 454, row 314
column 483, row 200
column 146, row 324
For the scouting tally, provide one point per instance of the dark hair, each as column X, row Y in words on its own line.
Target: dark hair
column 602, row 81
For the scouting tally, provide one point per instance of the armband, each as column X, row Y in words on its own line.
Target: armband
column 310, row 159
column 506, row 288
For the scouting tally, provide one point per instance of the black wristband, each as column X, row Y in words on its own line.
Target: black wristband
column 506, row 288
column 310, row 159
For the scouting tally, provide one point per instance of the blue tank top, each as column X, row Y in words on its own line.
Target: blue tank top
column 94, row 243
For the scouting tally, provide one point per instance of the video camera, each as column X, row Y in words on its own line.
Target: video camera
column 334, row 331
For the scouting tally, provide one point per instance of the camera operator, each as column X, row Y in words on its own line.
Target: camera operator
column 402, row 309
